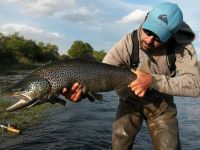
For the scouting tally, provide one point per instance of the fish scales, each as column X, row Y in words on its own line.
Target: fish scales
column 45, row 83
column 59, row 74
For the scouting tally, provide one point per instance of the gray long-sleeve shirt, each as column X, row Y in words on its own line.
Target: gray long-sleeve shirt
column 187, row 79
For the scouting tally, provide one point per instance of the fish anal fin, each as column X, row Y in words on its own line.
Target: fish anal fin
column 92, row 96
column 99, row 97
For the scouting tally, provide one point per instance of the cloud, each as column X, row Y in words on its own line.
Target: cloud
column 197, row 42
column 44, row 7
column 78, row 15
column 81, row 14
column 29, row 31
column 136, row 16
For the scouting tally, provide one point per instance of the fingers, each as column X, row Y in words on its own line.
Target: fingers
column 64, row 90
column 77, row 96
column 137, row 88
column 75, row 87
column 74, row 94
column 142, row 83
column 139, row 93
column 135, row 85
column 142, row 94
column 78, row 88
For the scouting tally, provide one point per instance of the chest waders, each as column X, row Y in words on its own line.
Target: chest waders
column 160, row 115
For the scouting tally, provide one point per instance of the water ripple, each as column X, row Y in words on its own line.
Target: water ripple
column 88, row 126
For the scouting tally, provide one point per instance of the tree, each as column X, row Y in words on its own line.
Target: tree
column 49, row 52
column 52, row 51
column 79, row 48
column 4, row 55
column 31, row 50
column 13, row 44
column 15, row 48
column 63, row 57
column 99, row 55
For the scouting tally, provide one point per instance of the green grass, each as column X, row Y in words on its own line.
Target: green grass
column 24, row 118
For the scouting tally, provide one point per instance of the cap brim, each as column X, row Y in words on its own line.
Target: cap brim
column 157, row 29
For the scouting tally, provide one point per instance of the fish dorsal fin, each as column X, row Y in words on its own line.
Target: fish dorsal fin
column 88, row 57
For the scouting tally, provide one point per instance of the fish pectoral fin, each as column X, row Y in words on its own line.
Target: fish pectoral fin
column 92, row 96
column 58, row 100
column 34, row 104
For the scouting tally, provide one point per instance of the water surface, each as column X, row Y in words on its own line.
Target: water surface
column 86, row 125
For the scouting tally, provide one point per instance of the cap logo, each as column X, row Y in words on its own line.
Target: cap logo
column 163, row 18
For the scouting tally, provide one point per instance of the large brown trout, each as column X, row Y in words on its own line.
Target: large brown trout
column 45, row 83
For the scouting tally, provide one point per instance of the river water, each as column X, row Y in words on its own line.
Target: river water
column 88, row 125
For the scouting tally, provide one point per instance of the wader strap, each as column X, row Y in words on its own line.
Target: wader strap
column 135, row 53
column 171, row 56
column 135, row 50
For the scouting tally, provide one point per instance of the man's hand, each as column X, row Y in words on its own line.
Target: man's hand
column 142, row 83
column 74, row 94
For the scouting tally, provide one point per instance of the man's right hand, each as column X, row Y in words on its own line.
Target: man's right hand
column 74, row 94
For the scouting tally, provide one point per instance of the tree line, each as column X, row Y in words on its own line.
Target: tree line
column 15, row 49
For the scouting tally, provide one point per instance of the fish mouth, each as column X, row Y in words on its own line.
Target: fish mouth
column 22, row 102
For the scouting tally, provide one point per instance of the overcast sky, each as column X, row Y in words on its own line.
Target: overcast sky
column 101, row 23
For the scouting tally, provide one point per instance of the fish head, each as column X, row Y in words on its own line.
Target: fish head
column 27, row 92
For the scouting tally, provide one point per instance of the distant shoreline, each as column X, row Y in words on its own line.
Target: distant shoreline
column 31, row 66
column 19, row 66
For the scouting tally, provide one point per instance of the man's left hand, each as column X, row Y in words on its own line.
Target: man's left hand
column 142, row 83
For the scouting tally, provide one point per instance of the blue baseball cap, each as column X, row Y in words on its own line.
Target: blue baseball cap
column 164, row 20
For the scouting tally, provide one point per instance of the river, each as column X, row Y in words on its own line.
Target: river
column 88, row 125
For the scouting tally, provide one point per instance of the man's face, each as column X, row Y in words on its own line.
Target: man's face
column 149, row 40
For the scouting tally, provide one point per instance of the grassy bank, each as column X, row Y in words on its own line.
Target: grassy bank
column 24, row 118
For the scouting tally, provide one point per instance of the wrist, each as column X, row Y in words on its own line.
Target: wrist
column 155, row 79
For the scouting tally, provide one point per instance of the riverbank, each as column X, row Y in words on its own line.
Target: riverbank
column 22, row 119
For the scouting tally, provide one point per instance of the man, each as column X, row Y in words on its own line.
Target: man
column 162, row 24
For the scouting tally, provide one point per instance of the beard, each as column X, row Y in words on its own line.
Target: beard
column 146, row 46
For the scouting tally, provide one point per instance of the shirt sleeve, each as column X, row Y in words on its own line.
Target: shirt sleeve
column 187, row 79
column 119, row 54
